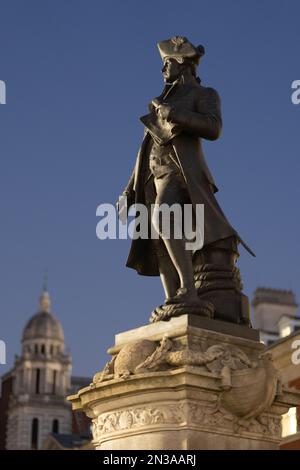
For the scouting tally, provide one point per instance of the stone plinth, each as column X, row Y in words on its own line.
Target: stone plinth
column 182, row 385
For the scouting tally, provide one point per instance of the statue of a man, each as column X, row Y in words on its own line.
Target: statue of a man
column 171, row 168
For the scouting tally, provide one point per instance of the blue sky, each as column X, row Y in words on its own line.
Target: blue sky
column 79, row 74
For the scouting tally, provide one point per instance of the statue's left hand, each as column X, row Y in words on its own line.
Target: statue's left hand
column 164, row 111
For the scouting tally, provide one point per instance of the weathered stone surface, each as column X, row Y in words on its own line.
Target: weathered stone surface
column 181, row 325
column 189, row 389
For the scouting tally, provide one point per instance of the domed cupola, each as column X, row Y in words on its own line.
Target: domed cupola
column 43, row 333
column 41, row 381
column 43, row 325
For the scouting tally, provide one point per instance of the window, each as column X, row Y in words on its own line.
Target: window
column 36, row 349
column 51, row 349
column 37, row 381
column 55, row 426
column 54, row 382
column 43, row 349
column 34, row 433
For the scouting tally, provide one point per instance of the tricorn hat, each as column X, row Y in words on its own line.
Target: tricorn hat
column 179, row 48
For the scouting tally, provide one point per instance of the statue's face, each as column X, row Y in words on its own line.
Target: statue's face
column 171, row 70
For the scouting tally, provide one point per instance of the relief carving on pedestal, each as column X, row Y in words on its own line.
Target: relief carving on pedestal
column 184, row 413
column 248, row 388
column 135, row 417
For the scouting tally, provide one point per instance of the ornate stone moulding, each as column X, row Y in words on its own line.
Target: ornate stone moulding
column 186, row 388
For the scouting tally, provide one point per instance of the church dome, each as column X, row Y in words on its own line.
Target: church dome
column 43, row 324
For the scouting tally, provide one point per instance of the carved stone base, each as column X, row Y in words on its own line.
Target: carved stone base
column 177, row 385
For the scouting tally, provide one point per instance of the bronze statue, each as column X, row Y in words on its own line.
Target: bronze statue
column 171, row 168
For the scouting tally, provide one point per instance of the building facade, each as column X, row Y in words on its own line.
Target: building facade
column 39, row 382
column 275, row 314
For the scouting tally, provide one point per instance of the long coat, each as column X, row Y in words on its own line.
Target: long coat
column 196, row 109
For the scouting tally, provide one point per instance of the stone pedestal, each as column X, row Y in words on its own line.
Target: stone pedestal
column 190, row 383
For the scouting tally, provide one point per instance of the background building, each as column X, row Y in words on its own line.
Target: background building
column 33, row 401
column 275, row 315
